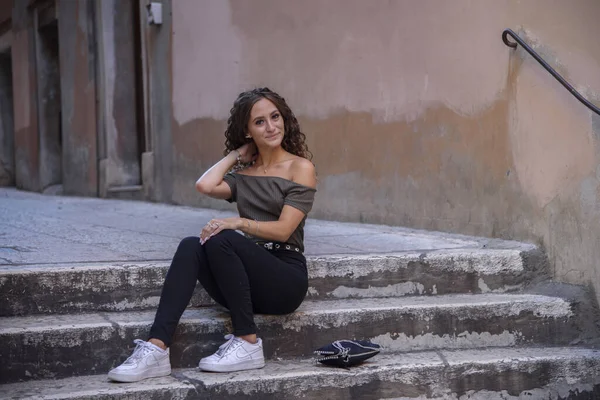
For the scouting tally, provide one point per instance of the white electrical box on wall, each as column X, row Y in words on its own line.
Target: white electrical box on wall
column 154, row 13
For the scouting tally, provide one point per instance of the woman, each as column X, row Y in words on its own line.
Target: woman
column 262, row 271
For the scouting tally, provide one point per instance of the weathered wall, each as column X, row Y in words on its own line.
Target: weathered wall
column 157, row 162
column 27, row 163
column 78, row 94
column 117, row 94
column 416, row 112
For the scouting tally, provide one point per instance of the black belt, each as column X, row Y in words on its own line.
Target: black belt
column 278, row 246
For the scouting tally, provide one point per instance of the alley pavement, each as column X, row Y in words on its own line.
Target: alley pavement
column 38, row 229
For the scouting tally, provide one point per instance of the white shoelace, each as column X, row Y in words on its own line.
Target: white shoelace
column 142, row 348
column 224, row 348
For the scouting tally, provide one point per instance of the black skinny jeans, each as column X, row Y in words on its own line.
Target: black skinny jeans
column 236, row 273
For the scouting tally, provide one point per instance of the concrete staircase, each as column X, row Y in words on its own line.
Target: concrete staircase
column 478, row 323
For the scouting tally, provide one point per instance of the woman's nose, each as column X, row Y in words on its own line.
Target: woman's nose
column 270, row 125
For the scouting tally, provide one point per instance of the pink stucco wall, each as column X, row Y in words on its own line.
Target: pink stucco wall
column 416, row 112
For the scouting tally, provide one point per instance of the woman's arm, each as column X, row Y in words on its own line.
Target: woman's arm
column 279, row 230
column 211, row 182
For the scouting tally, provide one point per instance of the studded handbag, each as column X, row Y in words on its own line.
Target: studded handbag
column 346, row 353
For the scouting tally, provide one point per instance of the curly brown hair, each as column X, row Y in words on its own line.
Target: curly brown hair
column 294, row 141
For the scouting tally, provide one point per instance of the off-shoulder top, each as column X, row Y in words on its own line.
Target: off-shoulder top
column 262, row 198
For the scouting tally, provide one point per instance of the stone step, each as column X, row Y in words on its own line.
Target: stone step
column 491, row 374
column 38, row 347
column 128, row 286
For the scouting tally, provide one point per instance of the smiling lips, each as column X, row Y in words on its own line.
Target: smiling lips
column 271, row 136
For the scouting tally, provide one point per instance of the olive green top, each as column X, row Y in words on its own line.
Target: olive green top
column 262, row 198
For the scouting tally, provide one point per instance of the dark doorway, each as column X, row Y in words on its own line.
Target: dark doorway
column 49, row 100
column 7, row 133
column 139, row 79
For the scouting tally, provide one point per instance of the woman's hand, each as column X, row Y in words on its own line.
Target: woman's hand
column 215, row 226
column 248, row 152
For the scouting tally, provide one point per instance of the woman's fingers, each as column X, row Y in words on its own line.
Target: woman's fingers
column 212, row 228
column 206, row 230
column 219, row 229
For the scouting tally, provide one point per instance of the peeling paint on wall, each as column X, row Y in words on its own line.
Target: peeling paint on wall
column 417, row 113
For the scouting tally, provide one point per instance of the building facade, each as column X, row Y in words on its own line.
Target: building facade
column 75, row 96
column 416, row 112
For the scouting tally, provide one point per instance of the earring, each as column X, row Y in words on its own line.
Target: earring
column 248, row 137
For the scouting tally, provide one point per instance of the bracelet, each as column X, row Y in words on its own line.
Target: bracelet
column 256, row 233
column 248, row 225
column 239, row 156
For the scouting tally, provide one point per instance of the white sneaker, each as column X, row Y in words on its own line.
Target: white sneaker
column 235, row 355
column 147, row 361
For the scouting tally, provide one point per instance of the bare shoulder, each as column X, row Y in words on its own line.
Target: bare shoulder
column 303, row 172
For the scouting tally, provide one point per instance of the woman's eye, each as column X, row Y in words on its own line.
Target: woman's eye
column 259, row 122
column 275, row 116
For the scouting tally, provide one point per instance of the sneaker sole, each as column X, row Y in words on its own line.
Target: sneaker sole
column 254, row 364
column 155, row 372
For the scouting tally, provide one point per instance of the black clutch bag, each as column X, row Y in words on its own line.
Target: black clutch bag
column 346, row 353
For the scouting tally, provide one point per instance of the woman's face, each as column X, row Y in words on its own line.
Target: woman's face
column 266, row 126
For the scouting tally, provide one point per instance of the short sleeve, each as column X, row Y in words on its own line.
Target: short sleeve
column 300, row 197
column 229, row 179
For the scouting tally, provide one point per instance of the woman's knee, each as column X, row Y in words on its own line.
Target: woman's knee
column 223, row 238
column 187, row 257
column 188, row 245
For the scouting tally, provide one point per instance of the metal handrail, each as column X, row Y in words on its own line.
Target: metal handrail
column 555, row 74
